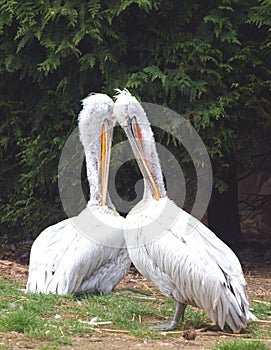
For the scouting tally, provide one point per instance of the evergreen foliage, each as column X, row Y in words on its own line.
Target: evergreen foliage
column 209, row 60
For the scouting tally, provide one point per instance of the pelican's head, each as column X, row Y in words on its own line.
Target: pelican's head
column 132, row 118
column 96, row 132
column 127, row 107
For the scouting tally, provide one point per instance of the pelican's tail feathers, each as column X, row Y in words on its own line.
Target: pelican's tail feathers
column 251, row 317
column 238, row 312
column 32, row 283
column 236, row 318
column 230, row 306
column 37, row 279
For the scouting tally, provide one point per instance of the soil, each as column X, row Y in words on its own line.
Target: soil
column 256, row 260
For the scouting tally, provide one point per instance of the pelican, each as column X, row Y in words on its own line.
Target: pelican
column 179, row 254
column 62, row 259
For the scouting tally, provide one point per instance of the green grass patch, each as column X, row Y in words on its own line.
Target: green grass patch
column 4, row 347
column 262, row 310
column 19, row 320
column 52, row 317
column 55, row 318
column 241, row 345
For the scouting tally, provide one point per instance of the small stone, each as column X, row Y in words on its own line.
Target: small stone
column 95, row 320
column 190, row 334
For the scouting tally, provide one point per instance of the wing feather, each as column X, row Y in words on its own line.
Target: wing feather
column 188, row 262
column 63, row 261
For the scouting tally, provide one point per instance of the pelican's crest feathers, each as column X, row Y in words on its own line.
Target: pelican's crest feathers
column 122, row 93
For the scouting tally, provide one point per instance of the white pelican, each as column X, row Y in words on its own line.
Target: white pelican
column 179, row 254
column 62, row 260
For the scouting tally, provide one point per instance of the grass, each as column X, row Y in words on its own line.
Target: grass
column 255, row 331
column 262, row 310
column 56, row 318
column 51, row 316
column 242, row 345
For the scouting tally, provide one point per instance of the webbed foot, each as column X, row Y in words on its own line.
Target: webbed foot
column 178, row 316
column 165, row 327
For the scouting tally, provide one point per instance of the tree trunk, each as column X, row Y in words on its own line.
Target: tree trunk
column 223, row 211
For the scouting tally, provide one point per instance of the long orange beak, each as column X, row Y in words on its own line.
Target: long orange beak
column 106, row 141
column 135, row 137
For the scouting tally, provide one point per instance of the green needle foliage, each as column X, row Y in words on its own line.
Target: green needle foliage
column 208, row 60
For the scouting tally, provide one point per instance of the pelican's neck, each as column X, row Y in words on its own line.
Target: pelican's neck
column 90, row 136
column 147, row 195
column 93, row 164
column 92, row 148
column 152, row 161
column 95, row 126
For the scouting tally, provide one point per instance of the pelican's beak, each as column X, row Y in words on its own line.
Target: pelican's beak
column 134, row 134
column 106, row 142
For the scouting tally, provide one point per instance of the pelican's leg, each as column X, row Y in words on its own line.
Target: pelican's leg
column 178, row 316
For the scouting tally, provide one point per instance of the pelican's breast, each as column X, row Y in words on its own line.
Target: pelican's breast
column 101, row 225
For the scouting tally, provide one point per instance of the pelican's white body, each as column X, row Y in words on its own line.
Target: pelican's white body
column 187, row 262
column 83, row 254
column 179, row 254
column 64, row 261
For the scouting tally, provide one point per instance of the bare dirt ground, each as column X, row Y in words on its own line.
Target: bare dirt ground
column 256, row 261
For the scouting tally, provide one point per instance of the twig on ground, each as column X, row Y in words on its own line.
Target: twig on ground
column 262, row 302
column 257, row 339
column 96, row 323
column 148, row 288
column 114, row 330
column 231, row 334
column 200, row 330
column 144, row 298
column 262, row 321
column 206, row 327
